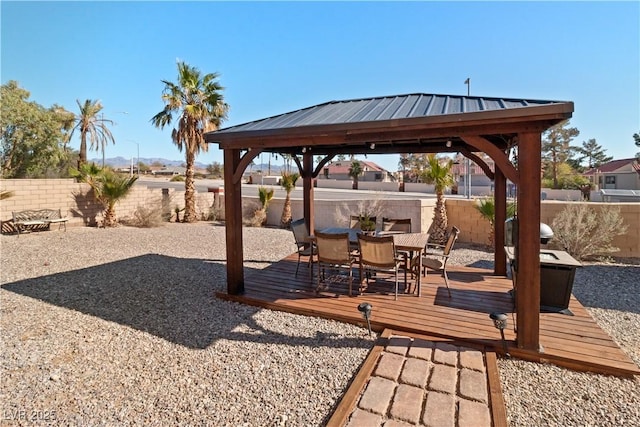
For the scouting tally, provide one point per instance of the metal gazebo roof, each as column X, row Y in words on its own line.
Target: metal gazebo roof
column 389, row 108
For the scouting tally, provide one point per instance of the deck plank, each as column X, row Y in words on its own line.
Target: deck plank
column 576, row 342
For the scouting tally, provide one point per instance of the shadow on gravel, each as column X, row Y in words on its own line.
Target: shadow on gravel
column 614, row 287
column 171, row 298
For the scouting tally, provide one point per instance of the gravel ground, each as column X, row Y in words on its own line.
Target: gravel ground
column 546, row 395
column 119, row 327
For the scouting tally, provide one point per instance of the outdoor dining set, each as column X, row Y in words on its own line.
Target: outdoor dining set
column 392, row 249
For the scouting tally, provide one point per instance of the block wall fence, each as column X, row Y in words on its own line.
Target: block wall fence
column 74, row 200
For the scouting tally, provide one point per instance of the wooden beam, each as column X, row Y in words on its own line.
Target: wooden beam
column 321, row 165
column 528, row 242
column 478, row 161
column 233, row 223
column 244, row 162
column 500, row 198
column 307, row 180
column 499, row 157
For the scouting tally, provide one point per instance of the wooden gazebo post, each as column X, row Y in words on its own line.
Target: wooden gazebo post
column 500, row 198
column 528, row 244
column 307, row 184
column 233, row 221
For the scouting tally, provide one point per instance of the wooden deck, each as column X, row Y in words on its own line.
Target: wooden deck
column 575, row 342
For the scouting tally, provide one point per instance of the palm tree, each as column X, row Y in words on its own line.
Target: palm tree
column 355, row 170
column 90, row 125
column 199, row 105
column 439, row 174
column 487, row 209
column 288, row 182
column 265, row 194
column 108, row 188
column 113, row 188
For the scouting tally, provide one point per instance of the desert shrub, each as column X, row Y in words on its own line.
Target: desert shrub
column 212, row 213
column 585, row 232
column 144, row 217
column 258, row 219
column 177, row 178
column 367, row 208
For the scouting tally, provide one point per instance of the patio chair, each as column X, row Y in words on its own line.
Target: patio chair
column 379, row 254
column 333, row 251
column 303, row 243
column 437, row 256
column 400, row 225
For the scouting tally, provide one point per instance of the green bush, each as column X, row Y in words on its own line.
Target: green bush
column 177, row 178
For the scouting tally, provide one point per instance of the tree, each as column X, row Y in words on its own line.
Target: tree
column 403, row 164
column 215, row 169
column 636, row 139
column 487, row 209
column 197, row 101
column 32, row 137
column 355, row 170
column 556, row 148
column 108, row 188
column 288, row 182
column 113, row 188
column 593, row 153
column 439, row 174
column 143, row 167
column 92, row 124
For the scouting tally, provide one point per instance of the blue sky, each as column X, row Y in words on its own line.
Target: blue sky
column 276, row 57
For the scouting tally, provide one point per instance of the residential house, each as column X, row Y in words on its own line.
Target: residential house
column 339, row 170
column 169, row 171
column 623, row 174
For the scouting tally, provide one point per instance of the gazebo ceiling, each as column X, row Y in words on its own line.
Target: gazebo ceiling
column 395, row 124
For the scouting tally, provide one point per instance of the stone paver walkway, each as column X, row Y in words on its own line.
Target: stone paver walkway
column 424, row 383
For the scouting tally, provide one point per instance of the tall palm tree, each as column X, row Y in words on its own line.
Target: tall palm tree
column 355, row 170
column 198, row 104
column 288, row 182
column 439, row 174
column 91, row 124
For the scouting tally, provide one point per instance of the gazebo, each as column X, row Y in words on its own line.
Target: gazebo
column 413, row 123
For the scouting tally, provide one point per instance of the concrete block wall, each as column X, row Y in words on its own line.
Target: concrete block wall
column 463, row 214
column 475, row 229
column 76, row 201
column 628, row 243
column 72, row 198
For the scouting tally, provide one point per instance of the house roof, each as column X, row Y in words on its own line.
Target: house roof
column 612, row 166
column 342, row 167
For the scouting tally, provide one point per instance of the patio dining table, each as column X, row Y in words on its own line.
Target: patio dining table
column 410, row 242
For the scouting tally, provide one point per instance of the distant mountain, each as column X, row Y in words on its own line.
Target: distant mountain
column 121, row 162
